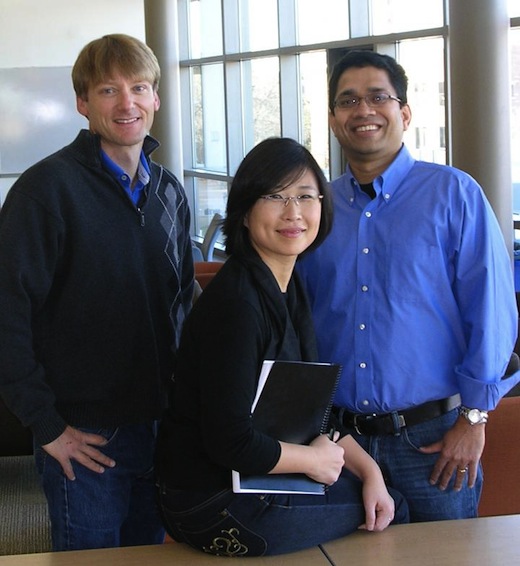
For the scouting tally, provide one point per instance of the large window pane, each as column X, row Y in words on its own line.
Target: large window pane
column 514, row 8
column 315, row 127
column 261, row 96
column 391, row 16
column 259, row 25
column 425, row 136
column 514, row 39
column 211, row 197
column 322, row 21
column 205, row 35
column 208, row 110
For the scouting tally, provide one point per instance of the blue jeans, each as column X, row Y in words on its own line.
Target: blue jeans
column 240, row 524
column 115, row 508
column 408, row 471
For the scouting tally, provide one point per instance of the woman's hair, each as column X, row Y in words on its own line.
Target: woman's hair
column 360, row 58
column 114, row 54
column 269, row 167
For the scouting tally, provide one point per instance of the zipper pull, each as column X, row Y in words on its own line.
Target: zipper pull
column 141, row 214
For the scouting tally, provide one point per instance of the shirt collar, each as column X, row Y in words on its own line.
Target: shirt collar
column 143, row 175
column 390, row 180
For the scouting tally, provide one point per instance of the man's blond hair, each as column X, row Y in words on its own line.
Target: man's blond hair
column 110, row 55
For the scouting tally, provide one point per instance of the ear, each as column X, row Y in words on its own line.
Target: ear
column 157, row 103
column 406, row 116
column 332, row 123
column 246, row 220
column 82, row 106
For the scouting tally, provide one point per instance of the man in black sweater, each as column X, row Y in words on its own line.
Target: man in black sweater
column 96, row 278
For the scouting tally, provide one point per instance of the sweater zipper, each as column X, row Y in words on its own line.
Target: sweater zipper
column 141, row 215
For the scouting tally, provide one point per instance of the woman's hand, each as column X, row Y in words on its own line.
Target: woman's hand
column 379, row 505
column 322, row 460
column 328, row 460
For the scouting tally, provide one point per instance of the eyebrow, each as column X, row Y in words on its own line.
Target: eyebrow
column 353, row 92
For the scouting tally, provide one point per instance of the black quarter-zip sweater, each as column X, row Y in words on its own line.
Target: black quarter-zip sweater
column 93, row 292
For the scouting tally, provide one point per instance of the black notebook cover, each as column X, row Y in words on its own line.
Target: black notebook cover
column 293, row 404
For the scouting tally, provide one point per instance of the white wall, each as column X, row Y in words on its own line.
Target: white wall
column 44, row 34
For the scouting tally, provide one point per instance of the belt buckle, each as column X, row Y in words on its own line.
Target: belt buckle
column 367, row 417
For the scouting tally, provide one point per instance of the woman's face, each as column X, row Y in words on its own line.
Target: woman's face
column 283, row 226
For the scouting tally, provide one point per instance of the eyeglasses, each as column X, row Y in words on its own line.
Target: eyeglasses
column 372, row 99
column 277, row 199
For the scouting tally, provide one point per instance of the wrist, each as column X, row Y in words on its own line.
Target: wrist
column 473, row 416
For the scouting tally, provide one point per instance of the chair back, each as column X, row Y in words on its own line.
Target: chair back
column 212, row 235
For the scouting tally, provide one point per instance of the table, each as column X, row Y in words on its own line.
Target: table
column 171, row 554
column 487, row 540
column 491, row 541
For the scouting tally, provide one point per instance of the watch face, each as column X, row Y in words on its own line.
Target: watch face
column 474, row 416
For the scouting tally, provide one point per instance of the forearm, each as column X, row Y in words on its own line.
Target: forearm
column 357, row 460
column 295, row 458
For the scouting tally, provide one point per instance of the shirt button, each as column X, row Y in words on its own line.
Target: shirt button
column 368, row 214
column 364, row 288
column 362, row 326
column 387, row 196
column 362, row 365
column 124, row 177
column 365, row 250
column 365, row 402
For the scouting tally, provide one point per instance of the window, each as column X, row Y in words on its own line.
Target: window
column 515, row 116
column 252, row 69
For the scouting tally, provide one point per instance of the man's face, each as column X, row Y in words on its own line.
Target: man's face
column 369, row 133
column 120, row 110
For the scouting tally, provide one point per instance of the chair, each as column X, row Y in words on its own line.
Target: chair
column 212, row 235
column 23, row 509
column 197, row 254
column 501, row 460
column 205, row 271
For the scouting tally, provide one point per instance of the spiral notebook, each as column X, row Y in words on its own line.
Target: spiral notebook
column 292, row 404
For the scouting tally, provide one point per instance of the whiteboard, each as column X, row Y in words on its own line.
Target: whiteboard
column 37, row 115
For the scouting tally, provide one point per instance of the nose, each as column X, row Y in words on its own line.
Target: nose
column 292, row 207
column 291, row 199
column 126, row 97
column 363, row 107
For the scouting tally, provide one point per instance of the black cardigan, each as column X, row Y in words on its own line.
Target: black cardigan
column 240, row 319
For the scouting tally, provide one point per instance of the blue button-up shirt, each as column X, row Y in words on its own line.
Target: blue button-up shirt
column 412, row 292
column 143, row 177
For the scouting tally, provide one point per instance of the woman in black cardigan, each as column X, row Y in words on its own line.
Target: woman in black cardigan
column 279, row 206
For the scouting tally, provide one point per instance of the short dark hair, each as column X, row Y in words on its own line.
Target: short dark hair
column 359, row 58
column 114, row 53
column 270, row 166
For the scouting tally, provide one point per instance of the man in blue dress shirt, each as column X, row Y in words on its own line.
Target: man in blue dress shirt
column 413, row 294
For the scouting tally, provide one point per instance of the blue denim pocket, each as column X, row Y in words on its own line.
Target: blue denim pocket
column 210, row 527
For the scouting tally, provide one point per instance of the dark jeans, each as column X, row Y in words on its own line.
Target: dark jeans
column 115, row 508
column 408, row 471
column 229, row 524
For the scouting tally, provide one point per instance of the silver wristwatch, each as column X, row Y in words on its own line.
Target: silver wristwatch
column 474, row 416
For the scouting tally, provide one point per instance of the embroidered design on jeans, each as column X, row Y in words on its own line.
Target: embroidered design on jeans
column 227, row 545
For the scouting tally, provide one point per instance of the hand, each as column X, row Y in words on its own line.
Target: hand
column 460, row 449
column 379, row 505
column 328, row 459
column 73, row 444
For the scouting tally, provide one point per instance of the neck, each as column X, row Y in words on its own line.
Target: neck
column 281, row 267
column 126, row 157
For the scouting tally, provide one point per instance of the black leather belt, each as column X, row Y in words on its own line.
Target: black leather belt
column 392, row 423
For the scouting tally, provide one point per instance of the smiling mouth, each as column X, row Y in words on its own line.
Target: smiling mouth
column 292, row 232
column 126, row 120
column 368, row 128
